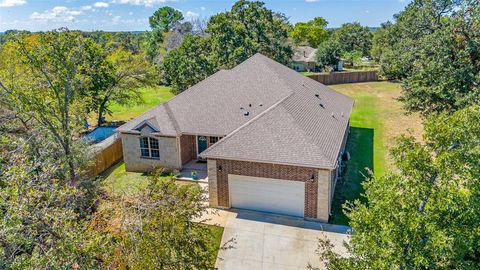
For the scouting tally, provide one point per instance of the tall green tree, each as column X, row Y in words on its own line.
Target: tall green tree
column 446, row 71
column 162, row 21
column 311, row 33
column 433, row 47
column 402, row 40
column 117, row 77
column 353, row 37
column 41, row 78
column 328, row 54
column 188, row 64
column 249, row 27
column 42, row 219
column 426, row 214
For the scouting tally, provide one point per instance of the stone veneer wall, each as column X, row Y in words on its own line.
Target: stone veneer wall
column 316, row 205
column 188, row 148
column 133, row 162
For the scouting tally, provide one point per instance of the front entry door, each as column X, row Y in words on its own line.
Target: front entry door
column 202, row 143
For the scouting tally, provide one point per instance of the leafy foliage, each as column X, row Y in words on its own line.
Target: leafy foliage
column 188, row 64
column 161, row 22
column 311, row 33
column 328, row 54
column 353, row 37
column 42, row 219
column 156, row 228
column 41, row 78
column 434, row 48
column 233, row 36
column 426, row 215
column 352, row 58
column 249, row 27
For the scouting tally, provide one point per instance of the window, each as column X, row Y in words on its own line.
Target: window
column 149, row 148
column 214, row 140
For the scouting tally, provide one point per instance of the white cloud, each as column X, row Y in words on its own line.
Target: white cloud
column 86, row 8
column 147, row 3
column 101, row 5
column 311, row 1
column 57, row 14
column 116, row 20
column 202, row 8
column 191, row 15
column 12, row 3
column 130, row 13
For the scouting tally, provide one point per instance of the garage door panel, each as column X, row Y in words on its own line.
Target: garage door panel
column 267, row 194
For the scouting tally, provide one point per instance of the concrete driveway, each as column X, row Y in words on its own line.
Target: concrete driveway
column 254, row 240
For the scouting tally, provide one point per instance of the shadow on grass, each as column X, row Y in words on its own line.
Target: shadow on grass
column 349, row 187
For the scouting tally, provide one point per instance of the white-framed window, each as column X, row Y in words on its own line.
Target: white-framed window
column 149, row 148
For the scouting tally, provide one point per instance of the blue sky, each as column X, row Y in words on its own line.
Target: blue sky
column 129, row 15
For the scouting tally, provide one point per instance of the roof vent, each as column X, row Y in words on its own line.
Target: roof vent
column 246, row 113
column 241, row 108
column 250, row 105
column 318, row 96
column 261, row 104
column 333, row 115
column 321, row 105
column 342, row 114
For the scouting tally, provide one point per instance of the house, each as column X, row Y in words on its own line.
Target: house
column 304, row 59
column 273, row 139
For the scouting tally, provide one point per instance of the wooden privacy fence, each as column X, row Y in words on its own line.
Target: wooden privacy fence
column 106, row 157
column 345, row 77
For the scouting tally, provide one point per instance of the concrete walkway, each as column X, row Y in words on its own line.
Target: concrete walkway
column 254, row 240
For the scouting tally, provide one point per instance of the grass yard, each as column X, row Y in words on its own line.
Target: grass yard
column 152, row 96
column 118, row 181
column 377, row 119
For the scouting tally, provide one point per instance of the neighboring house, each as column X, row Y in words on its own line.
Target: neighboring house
column 304, row 59
column 273, row 138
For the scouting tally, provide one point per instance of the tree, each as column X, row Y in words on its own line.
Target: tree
column 40, row 78
column 352, row 58
column 188, row 64
column 353, row 37
column 328, row 54
column 41, row 218
column 249, row 27
column 401, row 41
column 162, row 21
column 311, row 33
column 378, row 41
column 158, row 230
column 117, row 78
column 425, row 215
column 446, row 72
column 433, row 48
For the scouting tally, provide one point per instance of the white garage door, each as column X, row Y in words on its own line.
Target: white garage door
column 267, row 194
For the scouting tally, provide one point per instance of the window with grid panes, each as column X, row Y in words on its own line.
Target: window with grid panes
column 149, row 148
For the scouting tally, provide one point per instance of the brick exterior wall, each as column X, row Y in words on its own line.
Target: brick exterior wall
column 285, row 172
column 188, row 148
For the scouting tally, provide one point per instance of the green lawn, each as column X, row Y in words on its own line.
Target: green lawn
column 377, row 118
column 118, row 181
column 151, row 96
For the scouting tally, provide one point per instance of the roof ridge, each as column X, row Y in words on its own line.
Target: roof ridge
column 246, row 124
column 309, row 138
column 171, row 117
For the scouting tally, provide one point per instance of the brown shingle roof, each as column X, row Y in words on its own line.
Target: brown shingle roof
column 285, row 121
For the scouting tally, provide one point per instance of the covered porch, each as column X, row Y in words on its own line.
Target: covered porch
column 194, row 170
